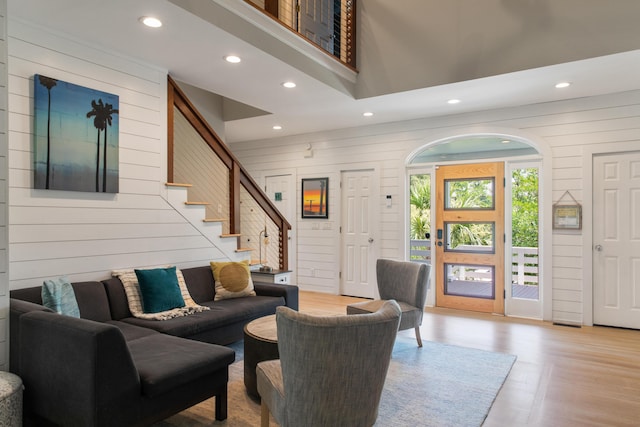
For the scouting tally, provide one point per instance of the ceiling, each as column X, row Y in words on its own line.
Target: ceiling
column 192, row 48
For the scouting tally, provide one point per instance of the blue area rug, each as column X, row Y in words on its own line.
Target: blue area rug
column 436, row 385
column 440, row 385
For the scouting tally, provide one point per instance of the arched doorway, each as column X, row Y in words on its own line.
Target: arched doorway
column 481, row 228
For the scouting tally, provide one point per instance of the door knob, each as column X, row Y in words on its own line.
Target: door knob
column 598, row 248
column 370, row 239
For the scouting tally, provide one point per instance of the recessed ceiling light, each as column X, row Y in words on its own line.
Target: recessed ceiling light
column 150, row 21
column 289, row 85
column 367, row 114
column 277, row 127
column 232, row 58
column 453, row 101
column 563, row 85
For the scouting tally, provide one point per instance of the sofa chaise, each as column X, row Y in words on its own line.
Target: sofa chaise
column 108, row 368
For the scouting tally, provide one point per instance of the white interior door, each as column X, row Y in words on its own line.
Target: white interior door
column 616, row 240
column 282, row 192
column 359, row 225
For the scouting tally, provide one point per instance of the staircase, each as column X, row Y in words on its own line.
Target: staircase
column 236, row 178
column 210, row 228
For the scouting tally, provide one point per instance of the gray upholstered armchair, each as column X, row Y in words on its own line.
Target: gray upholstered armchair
column 331, row 370
column 403, row 281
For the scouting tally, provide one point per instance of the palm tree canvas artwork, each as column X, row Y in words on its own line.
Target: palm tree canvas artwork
column 76, row 137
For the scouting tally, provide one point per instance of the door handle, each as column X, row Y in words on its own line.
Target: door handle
column 370, row 239
column 598, row 248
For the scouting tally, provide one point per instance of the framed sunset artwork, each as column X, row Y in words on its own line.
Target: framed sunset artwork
column 315, row 198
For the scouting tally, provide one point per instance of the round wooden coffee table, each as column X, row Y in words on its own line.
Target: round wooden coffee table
column 260, row 344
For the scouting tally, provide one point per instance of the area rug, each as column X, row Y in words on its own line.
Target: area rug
column 437, row 385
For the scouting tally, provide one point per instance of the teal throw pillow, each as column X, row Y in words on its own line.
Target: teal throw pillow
column 159, row 289
column 59, row 296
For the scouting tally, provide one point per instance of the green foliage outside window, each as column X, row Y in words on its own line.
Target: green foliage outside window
column 420, row 202
column 475, row 193
column 524, row 218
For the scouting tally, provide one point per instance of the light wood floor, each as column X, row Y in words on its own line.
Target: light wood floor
column 563, row 376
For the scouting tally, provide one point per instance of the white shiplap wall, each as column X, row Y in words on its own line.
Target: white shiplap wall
column 86, row 235
column 564, row 128
column 4, row 253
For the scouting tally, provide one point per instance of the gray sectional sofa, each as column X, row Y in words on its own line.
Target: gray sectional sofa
column 108, row 368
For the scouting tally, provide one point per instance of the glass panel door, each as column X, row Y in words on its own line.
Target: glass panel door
column 470, row 237
column 419, row 228
column 524, row 296
column 420, row 217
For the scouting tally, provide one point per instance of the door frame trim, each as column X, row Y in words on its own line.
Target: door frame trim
column 587, row 217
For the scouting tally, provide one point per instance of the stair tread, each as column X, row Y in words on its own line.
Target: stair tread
column 197, row 203
column 177, row 184
column 244, row 250
column 214, row 220
column 231, row 235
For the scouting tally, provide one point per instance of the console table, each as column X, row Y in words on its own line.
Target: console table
column 282, row 277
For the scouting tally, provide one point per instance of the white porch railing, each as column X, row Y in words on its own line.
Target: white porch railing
column 524, row 263
column 524, row 266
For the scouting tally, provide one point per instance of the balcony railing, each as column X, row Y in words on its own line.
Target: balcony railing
column 329, row 24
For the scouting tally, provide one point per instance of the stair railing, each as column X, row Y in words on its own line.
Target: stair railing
column 238, row 176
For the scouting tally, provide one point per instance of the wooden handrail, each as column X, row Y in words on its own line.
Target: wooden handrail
column 238, row 176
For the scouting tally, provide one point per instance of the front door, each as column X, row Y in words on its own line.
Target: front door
column 616, row 239
column 469, row 236
column 359, row 197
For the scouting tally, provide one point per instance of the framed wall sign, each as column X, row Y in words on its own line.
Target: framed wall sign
column 567, row 216
column 315, row 198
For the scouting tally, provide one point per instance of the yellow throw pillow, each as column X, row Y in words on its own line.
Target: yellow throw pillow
column 233, row 280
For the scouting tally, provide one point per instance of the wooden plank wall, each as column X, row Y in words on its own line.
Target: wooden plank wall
column 4, row 256
column 567, row 128
column 86, row 235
